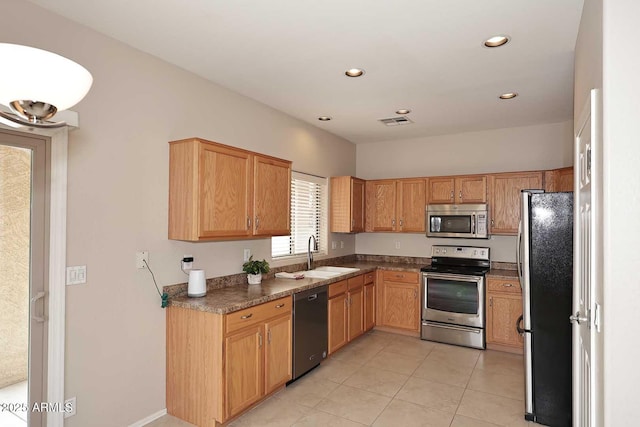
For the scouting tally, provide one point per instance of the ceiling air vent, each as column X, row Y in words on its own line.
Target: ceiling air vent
column 396, row 121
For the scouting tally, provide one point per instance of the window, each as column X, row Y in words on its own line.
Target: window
column 308, row 217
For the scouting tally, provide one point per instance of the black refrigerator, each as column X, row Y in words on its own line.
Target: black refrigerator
column 545, row 266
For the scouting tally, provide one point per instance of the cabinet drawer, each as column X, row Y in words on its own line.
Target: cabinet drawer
column 504, row 285
column 256, row 314
column 337, row 288
column 369, row 277
column 356, row 282
column 400, row 276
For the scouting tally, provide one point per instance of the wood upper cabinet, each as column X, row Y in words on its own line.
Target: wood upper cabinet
column 399, row 296
column 504, row 205
column 219, row 365
column 458, row 189
column 272, row 196
column 504, row 307
column 559, row 179
column 347, row 204
column 216, row 190
column 396, row 205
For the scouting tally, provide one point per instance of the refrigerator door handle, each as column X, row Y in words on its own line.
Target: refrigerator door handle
column 518, row 252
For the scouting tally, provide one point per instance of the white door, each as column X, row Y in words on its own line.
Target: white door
column 587, row 282
column 23, row 276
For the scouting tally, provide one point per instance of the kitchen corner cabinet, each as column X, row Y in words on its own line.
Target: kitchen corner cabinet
column 504, row 204
column 458, row 189
column 396, row 205
column 347, row 204
column 218, row 192
column 504, row 307
column 399, row 297
column 220, row 365
column 369, row 301
column 350, row 309
column 559, row 179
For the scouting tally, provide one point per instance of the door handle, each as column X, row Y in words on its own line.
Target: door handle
column 452, row 196
column 257, row 223
column 460, row 194
column 577, row 318
column 38, row 296
column 248, row 223
column 518, row 323
column 259, row 340
column 246, row 316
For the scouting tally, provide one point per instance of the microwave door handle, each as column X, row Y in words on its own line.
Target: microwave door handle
column 473, row 224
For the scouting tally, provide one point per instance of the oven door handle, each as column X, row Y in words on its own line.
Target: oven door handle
column 453, row 276
column 455, row 328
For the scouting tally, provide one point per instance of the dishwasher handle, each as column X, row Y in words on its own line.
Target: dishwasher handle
column 312, row 297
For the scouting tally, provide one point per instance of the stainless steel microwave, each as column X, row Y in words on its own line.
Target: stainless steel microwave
column 461, row 221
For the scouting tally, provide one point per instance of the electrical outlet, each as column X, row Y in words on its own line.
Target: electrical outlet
column 186, row 264
column 334, row 244
column 341, row 244
column 247, row 255
column 141, row 257
column 397, row 245
column 70, row 407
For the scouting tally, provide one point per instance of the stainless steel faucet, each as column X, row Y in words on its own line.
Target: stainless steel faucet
column 309, row 253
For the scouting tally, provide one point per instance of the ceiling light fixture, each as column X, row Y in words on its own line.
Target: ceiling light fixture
column 403, row 111
column 324, row 118
column 508, row 95
column 496, row 41
column 354, row 72
column 36, row 84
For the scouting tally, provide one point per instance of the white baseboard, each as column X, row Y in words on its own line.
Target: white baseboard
column 147, row 420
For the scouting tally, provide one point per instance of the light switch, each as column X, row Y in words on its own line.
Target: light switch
column 77, row 275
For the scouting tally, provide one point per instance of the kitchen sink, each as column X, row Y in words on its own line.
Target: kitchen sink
column 327, row 272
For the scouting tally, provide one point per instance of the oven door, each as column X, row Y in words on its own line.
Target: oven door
column 453, row 298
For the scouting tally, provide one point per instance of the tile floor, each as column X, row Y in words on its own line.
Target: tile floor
column 384, row 379
column 13, row 394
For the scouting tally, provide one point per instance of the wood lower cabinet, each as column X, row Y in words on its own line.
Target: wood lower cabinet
column 399, row 300
column 369, row 301
column 504, row 307
column 220, row 365
column 347, row 204
column 218, row 192
column 458, row 189
column 355, row 307
column 337, row 317
column 504, row 207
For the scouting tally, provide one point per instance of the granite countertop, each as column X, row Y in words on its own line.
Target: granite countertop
column 233, row 298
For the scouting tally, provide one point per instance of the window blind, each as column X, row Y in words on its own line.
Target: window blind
column 308, row 217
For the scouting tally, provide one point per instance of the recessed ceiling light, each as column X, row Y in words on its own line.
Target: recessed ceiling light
column 496, row 41
column 324, row 118
column 508, row 95
column 354, row 72
column 403, row 111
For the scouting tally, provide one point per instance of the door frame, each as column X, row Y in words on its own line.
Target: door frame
column 57, row 264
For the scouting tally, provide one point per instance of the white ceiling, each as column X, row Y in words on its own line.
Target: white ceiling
column 425, row 55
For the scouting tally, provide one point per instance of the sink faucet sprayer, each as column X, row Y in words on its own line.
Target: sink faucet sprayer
column 309, row 253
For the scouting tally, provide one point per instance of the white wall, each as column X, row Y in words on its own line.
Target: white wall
column 621, row 91
column 538, row 147
column 118, row 198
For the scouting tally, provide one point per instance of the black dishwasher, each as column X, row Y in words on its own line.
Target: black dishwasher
column 309, row 329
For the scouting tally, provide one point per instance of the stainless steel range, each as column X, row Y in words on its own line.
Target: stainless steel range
column 453, row 295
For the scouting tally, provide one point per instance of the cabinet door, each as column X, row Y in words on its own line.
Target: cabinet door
column 272, row 197
column 505, row 199
column 471, row 189
column 558, row 180
column 277, row 358
column 243, row 363
column 369, row 306
column 441, row 190
column 412, row 202
column 337, row 319
column 502, row 314
column 355, row 313
column 382, row 204
column 225, row 177
column 401, row 305
column 357, row 205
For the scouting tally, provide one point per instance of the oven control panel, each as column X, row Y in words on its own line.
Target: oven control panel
column 469, row 252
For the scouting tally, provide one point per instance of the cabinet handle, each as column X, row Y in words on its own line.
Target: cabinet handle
column 248, row 223
column 399, row 276
column 346, row 302
column 259, row 339
column 492, row 223
column 280, row 305
column 246, row 316
column 452, row 195
column 507, row 285
column 269, row 336
column 415, row 293
column 490, row 301
column 401, row 222
column 393, row 222
column 460, row 194
column 257, row 223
